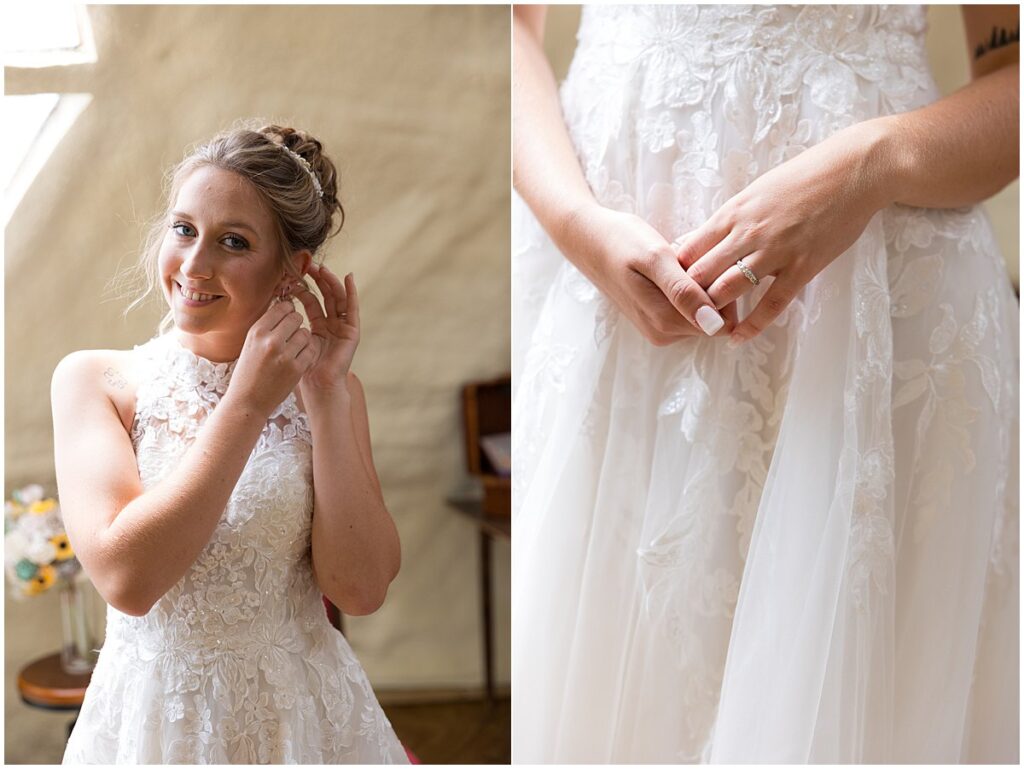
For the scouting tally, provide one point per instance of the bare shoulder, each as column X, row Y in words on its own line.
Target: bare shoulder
column 86, row 376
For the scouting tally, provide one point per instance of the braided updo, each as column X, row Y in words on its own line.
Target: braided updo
column 303, row 217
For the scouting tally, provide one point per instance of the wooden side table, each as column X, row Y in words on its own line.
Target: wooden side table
column 43, row 683
column 486, row 411
column 491, row 527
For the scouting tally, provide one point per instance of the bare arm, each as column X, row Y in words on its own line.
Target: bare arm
column 624, row 256
column 545, row 170
column 964, row 148
column 356, row 552
column 136, row 544
column 795, row 219
column 992, row 35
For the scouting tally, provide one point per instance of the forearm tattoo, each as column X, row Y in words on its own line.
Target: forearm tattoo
column 114, row 378
column 1000, row 37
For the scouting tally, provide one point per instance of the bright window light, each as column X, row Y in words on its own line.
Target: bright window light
column 32, row 127
column 38, row 33
column 24, row 117
column 46, row 33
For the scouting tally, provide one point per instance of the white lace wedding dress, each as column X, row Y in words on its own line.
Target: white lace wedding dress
column 237, row 663
column 802, row 550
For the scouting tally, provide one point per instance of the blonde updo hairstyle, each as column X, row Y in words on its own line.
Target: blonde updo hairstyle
column 302, row 218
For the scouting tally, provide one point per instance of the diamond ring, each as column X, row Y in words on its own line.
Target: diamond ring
column 746, row 272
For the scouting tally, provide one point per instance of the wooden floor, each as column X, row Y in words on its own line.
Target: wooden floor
column 475, row 732
column 469, row 732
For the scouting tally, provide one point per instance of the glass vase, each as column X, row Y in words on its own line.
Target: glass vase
column 77, row 654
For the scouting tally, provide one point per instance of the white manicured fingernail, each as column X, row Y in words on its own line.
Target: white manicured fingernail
column 709, row 320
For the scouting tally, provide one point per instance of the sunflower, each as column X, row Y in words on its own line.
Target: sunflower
column 42, row 506
column 43, row 579
column 62, row 546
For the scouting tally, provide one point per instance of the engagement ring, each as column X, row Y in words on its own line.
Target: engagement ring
column 746, row 271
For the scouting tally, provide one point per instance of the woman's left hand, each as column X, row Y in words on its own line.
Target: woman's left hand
column 335, row 326
column 791, row 222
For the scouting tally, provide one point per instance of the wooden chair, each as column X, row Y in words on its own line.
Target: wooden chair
column 487, row 410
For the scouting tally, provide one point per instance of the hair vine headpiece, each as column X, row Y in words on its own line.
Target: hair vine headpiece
column 305, row 164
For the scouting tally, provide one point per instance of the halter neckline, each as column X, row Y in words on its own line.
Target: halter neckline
column 207, row 371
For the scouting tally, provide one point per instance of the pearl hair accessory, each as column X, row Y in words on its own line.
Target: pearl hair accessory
column 309, row 169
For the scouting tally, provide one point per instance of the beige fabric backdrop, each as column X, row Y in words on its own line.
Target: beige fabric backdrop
column 948, row 55
column 413, row 105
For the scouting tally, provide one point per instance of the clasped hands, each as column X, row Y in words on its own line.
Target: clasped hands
column 788, row 225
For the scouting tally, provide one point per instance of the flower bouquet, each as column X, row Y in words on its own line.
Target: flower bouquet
column 37, row 557
column 37, row 552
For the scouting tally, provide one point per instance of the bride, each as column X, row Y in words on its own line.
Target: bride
column 765, row 415
column 217, row 481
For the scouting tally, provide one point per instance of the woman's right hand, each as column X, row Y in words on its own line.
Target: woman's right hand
column 638, row 270
column 276, row 353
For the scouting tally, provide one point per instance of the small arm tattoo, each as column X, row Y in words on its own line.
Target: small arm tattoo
column 114, row 378
column 1001, row 37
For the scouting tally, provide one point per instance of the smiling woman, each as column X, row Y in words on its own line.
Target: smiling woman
column 216, row 282
column 217, row 481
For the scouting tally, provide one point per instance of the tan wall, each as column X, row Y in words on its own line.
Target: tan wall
column 413, row 104
column 947, row 51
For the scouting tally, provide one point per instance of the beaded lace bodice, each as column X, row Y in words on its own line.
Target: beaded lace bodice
column 260, row 548
column 237, row 663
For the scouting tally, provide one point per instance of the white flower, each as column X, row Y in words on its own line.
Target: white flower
column 37, row 526
column 15, row 545
column 41, row 552
column 657, row 133
column 738, row 168
column 174, row 709
column 29, row 494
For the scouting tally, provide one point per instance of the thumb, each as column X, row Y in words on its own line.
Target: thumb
column 685, row 294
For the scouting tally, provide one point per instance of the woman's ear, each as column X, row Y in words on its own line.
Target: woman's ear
column 301, row 260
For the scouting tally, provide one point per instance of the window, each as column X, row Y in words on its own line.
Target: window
column 46, row 34
column 36, row 35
